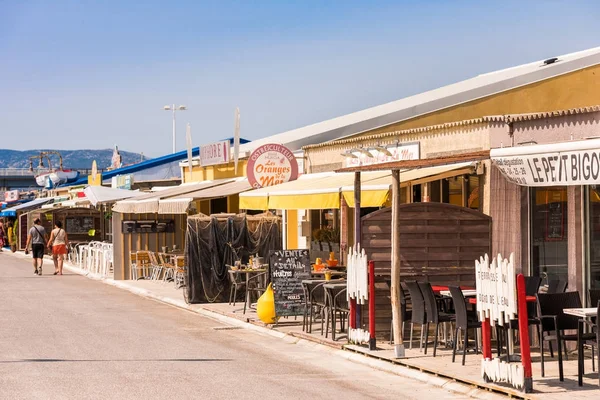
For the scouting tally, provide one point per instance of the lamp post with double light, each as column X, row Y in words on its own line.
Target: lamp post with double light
column 174, row 108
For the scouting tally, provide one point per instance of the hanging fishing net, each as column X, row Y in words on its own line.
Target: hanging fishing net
column 213, row 242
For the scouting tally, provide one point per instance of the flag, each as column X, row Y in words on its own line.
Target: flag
column 188, row 143
column 236, row 138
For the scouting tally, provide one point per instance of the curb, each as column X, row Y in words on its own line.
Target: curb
column 386, row 366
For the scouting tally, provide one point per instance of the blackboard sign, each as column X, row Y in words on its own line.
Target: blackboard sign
column 555, row 219
column 288, row 269
column 79, row 225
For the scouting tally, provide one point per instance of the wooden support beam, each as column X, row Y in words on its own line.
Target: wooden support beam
column 395, row 273
column 357, row 227
column 355, row 318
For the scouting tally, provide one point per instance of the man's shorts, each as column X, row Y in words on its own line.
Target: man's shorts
column 37, row 249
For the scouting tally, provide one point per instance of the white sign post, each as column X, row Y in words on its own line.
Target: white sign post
column 497, row 301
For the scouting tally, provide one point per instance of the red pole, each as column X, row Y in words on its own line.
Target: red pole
column 486, row 341
column 372, row 342
column 524, row 334
column 352, row 313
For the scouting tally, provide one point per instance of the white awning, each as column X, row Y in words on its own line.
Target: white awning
column 148, row 202
column 102, row 194
column 566, row 163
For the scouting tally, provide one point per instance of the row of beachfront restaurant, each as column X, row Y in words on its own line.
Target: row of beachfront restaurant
column 511, row 159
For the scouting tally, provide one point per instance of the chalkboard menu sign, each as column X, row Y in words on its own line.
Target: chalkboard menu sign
column 288, row 269
column 79, row 225
column 555, row 220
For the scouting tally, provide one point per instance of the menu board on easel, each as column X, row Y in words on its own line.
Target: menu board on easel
column 288, row 269
column 79, row 225
column 555, row 216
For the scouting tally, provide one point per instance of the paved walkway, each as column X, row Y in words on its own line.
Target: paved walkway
column 67, row 337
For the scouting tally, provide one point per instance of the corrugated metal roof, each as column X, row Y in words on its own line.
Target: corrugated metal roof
column 424, row 103
column 130, row 169
column 11, row 212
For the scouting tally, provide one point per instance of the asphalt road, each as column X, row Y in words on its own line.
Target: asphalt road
column 68, row 337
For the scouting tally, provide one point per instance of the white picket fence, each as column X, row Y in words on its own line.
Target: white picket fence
column 496, row 289
column 357, row 275
column 497, row 300
column 357, row 288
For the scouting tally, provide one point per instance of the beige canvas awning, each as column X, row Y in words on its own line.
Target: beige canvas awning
column 180, row 204
column 148, row 203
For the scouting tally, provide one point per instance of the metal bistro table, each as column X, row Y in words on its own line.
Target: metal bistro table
column 583, row 313
column 252, row 274
column 334, row 274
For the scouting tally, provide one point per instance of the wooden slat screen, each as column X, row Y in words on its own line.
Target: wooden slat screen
column 438, row 243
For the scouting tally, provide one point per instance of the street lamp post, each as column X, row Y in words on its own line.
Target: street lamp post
column 174, row 108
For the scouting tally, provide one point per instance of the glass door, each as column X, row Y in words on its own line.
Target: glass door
column 549, row 238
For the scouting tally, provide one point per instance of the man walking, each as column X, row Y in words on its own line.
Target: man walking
column 37, row 238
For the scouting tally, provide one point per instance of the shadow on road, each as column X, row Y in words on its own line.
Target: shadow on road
column 53, row 360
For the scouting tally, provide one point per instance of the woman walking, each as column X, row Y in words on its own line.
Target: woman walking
column 12, row 236
column 59, row 242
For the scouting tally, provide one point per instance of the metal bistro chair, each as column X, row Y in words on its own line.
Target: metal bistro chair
column 594, row 299
column 236, row 282
column 339, row 306
column 418, row 309
column 404, row 312
column 554, row 322
column 433, row 315
column 143, row 265
column 169, row 268
column 315, row 300
column 556, row 286
column 157, row 267
column 463, row 322
column 594, row 342
column 254, row 285
column 180, row 272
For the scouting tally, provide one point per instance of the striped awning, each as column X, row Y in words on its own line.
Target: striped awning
column 149, row 202
column 180, row 204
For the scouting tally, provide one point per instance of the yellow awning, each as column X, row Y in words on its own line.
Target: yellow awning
column 375, row 192
column 305, row 201
column 323, row 190
column 309, row 192
column 260, row 202
column 368, row 198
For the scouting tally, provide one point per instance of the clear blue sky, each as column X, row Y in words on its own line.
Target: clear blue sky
column 92, row 74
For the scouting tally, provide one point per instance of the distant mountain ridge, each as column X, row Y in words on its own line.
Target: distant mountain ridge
column 72, row 159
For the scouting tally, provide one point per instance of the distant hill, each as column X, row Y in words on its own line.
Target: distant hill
column 76, row 159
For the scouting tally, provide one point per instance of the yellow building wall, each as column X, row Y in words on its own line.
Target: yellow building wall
column 292, row 229
column 213, row 172
column 576, row 89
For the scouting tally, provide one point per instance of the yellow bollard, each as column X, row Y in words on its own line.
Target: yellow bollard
column 265, row 307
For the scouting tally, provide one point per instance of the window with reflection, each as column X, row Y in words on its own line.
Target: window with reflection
column 549, row 213
column 594, row 236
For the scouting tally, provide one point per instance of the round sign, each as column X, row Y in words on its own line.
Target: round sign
column 271, row 164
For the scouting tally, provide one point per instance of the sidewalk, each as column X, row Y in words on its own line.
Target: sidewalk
column 438, row 371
